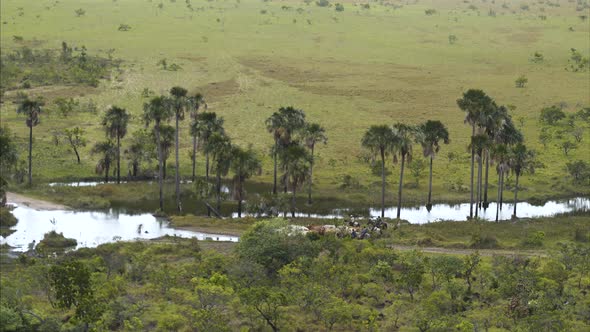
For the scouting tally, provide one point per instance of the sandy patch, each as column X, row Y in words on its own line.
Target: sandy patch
column 34, row 203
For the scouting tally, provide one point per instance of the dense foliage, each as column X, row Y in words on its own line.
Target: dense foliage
column 275, row 281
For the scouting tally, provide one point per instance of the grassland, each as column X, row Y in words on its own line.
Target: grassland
column 347, row 70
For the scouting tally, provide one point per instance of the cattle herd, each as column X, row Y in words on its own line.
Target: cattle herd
column 352, row 228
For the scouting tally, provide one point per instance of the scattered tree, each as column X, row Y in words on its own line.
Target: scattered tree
column 75, row 137
column 32, row 110
column 115, row 124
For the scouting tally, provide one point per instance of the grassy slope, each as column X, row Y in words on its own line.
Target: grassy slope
column 372, row 66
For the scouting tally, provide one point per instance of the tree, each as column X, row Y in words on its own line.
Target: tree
column 75, row 137
column 429, row 135
column 157, row 111
column 507, row 135
column 551, row 115
column 139, row 151
column 402, row 139
column 244, row 164
column 267, row 302
column 179, row 103
column 474, row 103
column 313, row 133
column 579, row 171
column 195, row 103
column 413, row 266
column 493, row 119
column 206, row 124
column 220, row 149
column 378, row 140
column 166, row 143
column 32, row 110
column 500, row 154
column 567, row 146
column 8, row 151
column 479, row 143
column 274, row 125
column 115, row 124
column 522, row 161
column 294, row 161
column 107, row 152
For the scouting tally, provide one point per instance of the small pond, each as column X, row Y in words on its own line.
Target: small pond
column 91, row 229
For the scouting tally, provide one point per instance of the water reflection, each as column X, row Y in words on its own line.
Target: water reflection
column 91, row 229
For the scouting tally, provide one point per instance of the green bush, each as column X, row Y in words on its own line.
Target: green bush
column 534, row 240
column 56, row 240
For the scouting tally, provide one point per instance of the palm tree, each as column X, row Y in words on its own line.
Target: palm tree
column 108, row 152
column 195, row 102
column 166, row 143
column 115, row 124
column 473, row 103
column 206, row 124
column 479, row 143
column 179, row 103
column 139, row 150
column 522, row 161
column 244, row 164
column 429, row 134
column 378, row 140
column 220, row 148
column 157, row 111
column 294, row 161
column 493, row 119
column 402, row 139
column 314, row 133
column 283, row 125
column 508, row 135
column 32, row 110
column 500, row 154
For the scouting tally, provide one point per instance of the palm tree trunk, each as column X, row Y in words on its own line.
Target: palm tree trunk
column 177, row 173
column 485, row 190
column 134, row 169
column 382, row 183
column 502, row 192
column 399, row 191
column 30, row 155
column 477, row 187
column 515, row 195
column 310, row 177
column 218, row 191
column 293, row 201
column 472, row 167
column 194, row 159
column 165, row 167
column 274, row 187
column 499, row 190
column 207, row 167
column 118, row 158
column 429, row 204
column 106, row 173
column 160, row 166
column 240, row 198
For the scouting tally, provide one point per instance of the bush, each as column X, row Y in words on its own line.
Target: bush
column 430, row 11
column 521, row 81
column 534, row 240
column 339, row 7
column 579, row 171
column 323, row 3
column 56, row 240
column 483, row 242
column 582, row 235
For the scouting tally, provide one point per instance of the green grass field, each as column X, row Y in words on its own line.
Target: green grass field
column 347, row 70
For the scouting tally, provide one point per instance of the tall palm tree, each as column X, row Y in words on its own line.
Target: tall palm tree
column 108, row 152
column 283, row 125
column 479, row 143
column 429, row 135
column 244, row 164
column 522, row 161
column 158, row 111
column 274, row 125
column 115, row 124
column 473, row 103
column 139, row 150
column 294, row 161
column 166, row 142
column 179, row 103
column 500, row 155
column 313, row 133
column 508, row 135
column 378, row 140
column 493, row 118
column 206, row 124
column 403, row 138
column 195, row 103
column 32, row 110
column 220, row 148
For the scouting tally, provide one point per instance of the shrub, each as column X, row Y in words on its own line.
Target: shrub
column 430, row 11
column 339, row 7
column 483, row 242
column 323, row 3
column 579, row 171
column 534, row 240
column 452, row 39
column 581, row 235
column 56, row 240
column 521, row 81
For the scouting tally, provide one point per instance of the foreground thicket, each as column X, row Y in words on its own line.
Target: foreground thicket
column 273, row 281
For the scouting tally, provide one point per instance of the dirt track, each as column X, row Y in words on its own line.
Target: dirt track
column 34, row 203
